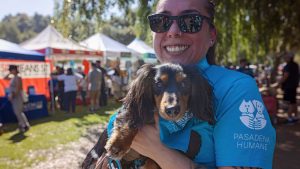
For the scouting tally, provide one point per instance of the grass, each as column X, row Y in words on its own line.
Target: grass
column 60, row 128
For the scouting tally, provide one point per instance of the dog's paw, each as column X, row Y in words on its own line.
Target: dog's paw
column 116, row 150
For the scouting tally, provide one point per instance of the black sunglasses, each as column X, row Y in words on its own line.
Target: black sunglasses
column 187, row 23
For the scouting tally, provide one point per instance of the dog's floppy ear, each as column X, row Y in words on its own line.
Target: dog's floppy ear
column 201, row 98
column 139, row 100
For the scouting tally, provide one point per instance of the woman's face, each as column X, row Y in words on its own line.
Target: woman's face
column 184, row 48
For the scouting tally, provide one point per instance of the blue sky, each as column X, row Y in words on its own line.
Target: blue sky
column 44, row 7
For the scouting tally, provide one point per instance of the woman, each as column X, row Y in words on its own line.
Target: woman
column 16, row 97
column 70, row 89
column 243, row 136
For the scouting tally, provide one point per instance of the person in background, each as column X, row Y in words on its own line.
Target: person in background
column 70, row 89
column 16, row 97
column 94, row 86
column 53, row 92
column 103, row 92
column 289, row 84
column 61, row 86
column 83, row 87
column 244, row 68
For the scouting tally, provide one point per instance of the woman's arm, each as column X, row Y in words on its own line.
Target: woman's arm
column 7, row 77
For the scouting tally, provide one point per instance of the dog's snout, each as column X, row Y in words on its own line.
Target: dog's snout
column 171, row 99
column 173, row 111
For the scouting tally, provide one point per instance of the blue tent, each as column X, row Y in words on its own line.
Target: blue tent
column 13, row 51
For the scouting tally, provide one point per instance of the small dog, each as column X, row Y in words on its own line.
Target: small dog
column 171, row 90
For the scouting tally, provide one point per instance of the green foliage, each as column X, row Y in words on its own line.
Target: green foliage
column 21, row 27
column 246, row 29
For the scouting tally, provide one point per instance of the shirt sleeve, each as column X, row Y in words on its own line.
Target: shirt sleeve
column 243, row 133
column 61, row 77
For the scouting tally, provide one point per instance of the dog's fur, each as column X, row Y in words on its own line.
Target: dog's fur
column 170, row 90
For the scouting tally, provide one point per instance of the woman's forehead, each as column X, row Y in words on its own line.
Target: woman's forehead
column 175, row 7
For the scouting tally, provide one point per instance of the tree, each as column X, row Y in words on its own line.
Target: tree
column 21, row 27
column 250, row 29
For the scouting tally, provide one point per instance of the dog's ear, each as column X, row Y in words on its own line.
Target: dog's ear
column 201, row 97
column 139, row 100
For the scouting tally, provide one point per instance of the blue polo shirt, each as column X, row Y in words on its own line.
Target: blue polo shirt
column 243, row 134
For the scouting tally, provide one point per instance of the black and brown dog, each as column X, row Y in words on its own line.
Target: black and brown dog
column 170, row 90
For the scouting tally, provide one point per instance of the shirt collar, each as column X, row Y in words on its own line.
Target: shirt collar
column 203, row 64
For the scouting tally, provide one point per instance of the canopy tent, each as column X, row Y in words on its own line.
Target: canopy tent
column 112, row 49
column 58, row 48
column 9, row 50
column 147, row 52
column 33, row 68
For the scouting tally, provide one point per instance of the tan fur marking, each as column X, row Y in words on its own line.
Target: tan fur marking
column 164, row 78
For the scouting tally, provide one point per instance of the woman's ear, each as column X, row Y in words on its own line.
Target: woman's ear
column 213, row 36
column 140, row 99
column 201, row 97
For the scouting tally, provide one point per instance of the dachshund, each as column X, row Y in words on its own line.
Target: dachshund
column 171, row 90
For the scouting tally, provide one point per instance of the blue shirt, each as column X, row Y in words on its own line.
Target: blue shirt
column 243, row 134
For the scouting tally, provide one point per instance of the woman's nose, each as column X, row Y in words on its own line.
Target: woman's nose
column 174, row 30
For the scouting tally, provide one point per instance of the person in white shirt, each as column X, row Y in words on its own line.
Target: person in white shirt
column 70, row 89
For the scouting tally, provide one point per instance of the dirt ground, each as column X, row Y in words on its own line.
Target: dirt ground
column 70, row 156
column 287, row 152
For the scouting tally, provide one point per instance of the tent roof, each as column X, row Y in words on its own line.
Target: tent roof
column 51, row 38
column 104, row 43
column 140, row 46
column 9, row 50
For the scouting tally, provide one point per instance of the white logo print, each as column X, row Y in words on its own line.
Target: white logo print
column 253, row 121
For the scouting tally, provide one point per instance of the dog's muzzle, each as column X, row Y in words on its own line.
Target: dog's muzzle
column 172, row 111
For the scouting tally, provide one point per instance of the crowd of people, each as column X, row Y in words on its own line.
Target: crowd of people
column 94, row 88
column 286, row 80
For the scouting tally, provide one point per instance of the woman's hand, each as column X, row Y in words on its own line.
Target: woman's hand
column 147, row 142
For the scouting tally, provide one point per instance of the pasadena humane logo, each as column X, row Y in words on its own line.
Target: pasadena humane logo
column 252, row 114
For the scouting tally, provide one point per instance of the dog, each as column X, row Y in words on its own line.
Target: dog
column 172, row 91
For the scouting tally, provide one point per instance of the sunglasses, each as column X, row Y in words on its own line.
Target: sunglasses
column 187, row 23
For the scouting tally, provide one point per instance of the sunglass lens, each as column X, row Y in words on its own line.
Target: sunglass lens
column 159, row 23
column 190, row 23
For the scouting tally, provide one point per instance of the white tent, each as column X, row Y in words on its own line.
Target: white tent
column 112, row 49
column 147, row 52
column 56, row 47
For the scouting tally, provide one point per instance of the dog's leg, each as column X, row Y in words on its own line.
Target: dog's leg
column 121, row 138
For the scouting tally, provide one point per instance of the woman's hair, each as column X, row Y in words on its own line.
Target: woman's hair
column 210, row 7
column 69, row 71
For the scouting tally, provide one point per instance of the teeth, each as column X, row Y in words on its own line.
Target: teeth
column 177, row 48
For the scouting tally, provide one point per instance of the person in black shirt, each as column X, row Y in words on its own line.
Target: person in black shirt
column 289, row 84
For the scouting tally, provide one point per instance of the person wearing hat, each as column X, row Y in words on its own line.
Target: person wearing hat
column 289, row 84
column 16, row 97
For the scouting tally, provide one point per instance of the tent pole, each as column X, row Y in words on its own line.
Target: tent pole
column 48, row 54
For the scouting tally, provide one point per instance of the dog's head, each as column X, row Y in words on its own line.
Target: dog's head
column 172, row 90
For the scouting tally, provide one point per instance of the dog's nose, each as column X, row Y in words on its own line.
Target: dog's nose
column 172, row 111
